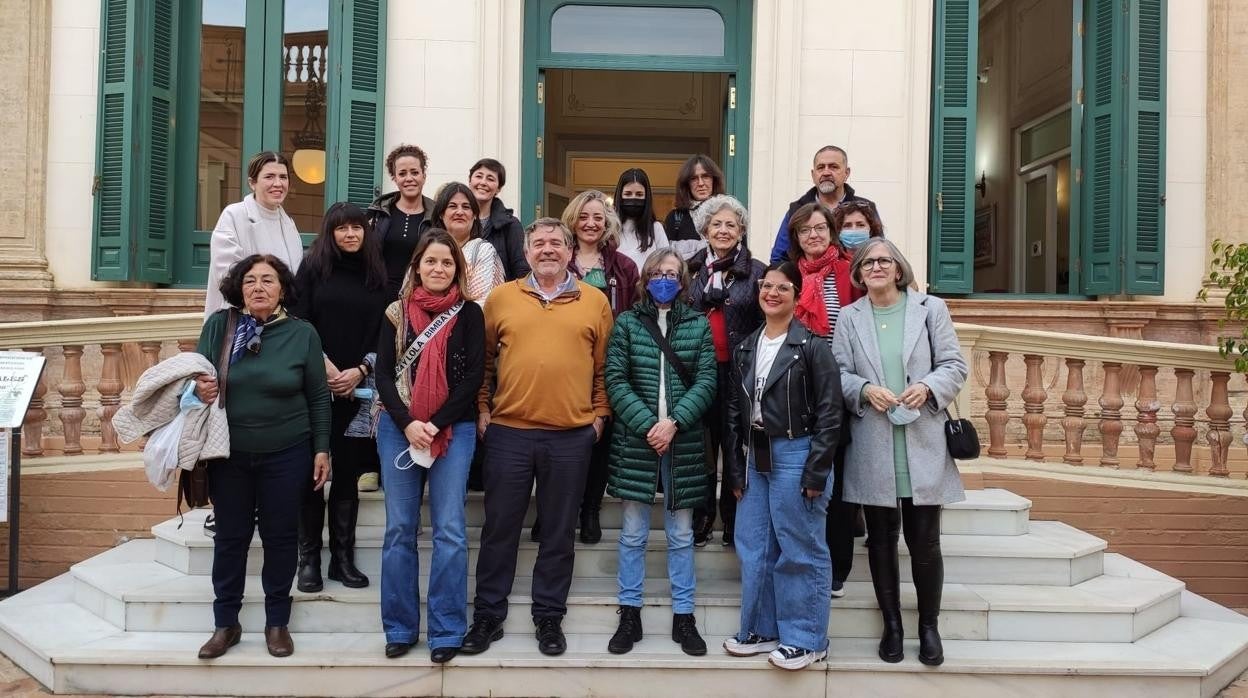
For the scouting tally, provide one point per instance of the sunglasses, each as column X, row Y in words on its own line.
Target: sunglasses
column 253, row 344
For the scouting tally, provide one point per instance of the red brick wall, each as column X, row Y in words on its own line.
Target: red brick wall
column 1201, row 539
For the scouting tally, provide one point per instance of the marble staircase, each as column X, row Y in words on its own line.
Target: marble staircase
column 1030, row 608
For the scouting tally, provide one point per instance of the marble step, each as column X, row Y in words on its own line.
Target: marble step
column 1050, row 553
column 985, row 512
column 125, row 587
column 82, row 653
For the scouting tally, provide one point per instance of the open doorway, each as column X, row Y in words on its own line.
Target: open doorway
column 1023, row 235
column 598, row 123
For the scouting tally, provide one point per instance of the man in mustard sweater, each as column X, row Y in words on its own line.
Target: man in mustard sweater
column 546, row 343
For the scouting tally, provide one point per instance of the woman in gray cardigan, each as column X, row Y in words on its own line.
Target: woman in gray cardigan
column 901, row 366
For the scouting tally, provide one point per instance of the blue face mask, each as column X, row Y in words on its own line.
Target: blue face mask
column 663, row 290
column 853, row 239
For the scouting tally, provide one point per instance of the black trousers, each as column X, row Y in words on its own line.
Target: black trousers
column 246, row 487
column 596, row 478
column 714, row 429
column 514, row 458
column 920, row 524
column 842, row 516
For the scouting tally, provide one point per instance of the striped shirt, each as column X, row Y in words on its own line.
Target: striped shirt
column 832, row 302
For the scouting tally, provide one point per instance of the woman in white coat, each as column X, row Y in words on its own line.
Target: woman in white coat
column 255, row 225
column 901, row 366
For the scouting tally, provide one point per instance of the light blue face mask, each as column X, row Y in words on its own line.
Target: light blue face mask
column 853, row 239
column 901, row 415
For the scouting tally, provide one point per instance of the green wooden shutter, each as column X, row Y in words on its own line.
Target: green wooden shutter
column 954, row 101
column 1104, row 99
column 133, row 216
column 1146, row 167
column 357, row 43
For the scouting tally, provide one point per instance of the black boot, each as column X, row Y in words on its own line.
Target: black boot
column 342, row 515
column 591, row 529
column 882, row 559
column 685, row 634
column 628, row 632
column 311, row 520
column 922, row 525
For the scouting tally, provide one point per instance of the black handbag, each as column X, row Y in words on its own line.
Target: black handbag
column 960, row 436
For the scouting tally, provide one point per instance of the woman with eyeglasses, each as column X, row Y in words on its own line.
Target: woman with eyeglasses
column 342, row 292
column 660, row 376
column 816, row 249
column 698, row 180
column 276, row 398
column 725, row 289
column 598, row 262
column 784, row 413
column 901, row 366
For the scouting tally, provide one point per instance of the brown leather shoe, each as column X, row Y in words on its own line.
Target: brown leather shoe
column 222, row 639
column 277, row 638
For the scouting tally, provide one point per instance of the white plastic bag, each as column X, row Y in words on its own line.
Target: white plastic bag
column 160, row 455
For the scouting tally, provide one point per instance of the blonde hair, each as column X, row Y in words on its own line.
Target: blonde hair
column 610, row 238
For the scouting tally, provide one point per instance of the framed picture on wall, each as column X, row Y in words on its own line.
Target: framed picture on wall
column 986, row 236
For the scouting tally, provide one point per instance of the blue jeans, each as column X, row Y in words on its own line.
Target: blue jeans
column 400, row 560
column 781, row 541
column 636, row 531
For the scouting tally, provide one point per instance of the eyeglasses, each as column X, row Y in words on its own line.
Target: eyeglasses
column 669, row 275
column 253, row 344
column 768, row 287
column 821, row 229
column 881, row 262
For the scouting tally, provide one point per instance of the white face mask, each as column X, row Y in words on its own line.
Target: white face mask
column 901, row 415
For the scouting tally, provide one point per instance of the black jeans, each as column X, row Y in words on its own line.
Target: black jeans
column 842, row 516
column 246, row 487
column 596, row 478
column 713, row 436
column 514, row 458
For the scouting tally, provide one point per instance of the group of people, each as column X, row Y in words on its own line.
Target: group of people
column 603, row 352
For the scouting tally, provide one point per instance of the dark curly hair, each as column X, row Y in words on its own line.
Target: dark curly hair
column 406, row 150
column 232, row 284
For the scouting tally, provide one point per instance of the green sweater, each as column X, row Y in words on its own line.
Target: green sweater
column 890, row 324
column 632, row 375
column 278, row 397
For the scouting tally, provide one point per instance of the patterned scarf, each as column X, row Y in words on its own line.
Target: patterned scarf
column 249, row 328
column 429, row 383
column 811, row 310
column 717, row 278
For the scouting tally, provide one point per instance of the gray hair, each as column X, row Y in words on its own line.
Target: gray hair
column 905, row 271
column 703, row 214
column 549, row 222
column 835, row 149
column 653, row 260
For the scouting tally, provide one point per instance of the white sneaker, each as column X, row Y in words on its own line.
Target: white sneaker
column 838, row 589
column 795, row 658
column 751, row 646
column 368, row 482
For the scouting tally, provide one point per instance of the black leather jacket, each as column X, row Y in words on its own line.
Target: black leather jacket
column 802, row 397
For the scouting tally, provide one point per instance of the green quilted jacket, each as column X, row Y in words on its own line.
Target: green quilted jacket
column 632, row 377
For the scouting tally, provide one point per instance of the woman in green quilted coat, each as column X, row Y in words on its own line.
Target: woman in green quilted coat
column 658, row 397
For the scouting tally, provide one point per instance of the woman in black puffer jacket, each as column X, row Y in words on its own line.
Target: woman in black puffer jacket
column 726, row 289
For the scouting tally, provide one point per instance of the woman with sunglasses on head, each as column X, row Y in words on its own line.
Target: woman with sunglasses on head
column 659, row 390
column 725, row 289
column 256, row 225
column 342, row 292
column 276, row 398
column 815, row 248
column 901, row 366
column 853, row 222
column 698, row 180
column 784, row 413
column 428, row 434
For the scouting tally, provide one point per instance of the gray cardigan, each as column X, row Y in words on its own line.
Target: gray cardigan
column 937, row 363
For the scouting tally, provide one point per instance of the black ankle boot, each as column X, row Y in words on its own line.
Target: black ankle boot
column 311, row 520
column 629, row 631
column 885, row 579
column 591, row 529
column 342, row 516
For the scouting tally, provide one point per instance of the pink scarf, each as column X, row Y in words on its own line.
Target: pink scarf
column 429, row 385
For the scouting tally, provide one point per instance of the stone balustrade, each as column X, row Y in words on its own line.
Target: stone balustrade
column 1148, row 393
column 1121, row 362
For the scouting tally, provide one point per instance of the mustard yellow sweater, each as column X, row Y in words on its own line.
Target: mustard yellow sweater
column 547, row 357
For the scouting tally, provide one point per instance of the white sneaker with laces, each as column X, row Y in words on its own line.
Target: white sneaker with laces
column 751, row 646
column 795, row 658
column 838, row 589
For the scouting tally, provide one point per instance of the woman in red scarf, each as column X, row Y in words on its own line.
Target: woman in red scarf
column 814, row 244
column 430, row 364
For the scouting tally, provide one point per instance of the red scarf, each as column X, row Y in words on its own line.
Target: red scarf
column 429, row 386
column 811, row 310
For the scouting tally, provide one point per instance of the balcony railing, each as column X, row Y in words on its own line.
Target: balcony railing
column 1036, row 396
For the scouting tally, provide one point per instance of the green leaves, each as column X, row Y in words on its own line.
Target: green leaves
column 1228, row 270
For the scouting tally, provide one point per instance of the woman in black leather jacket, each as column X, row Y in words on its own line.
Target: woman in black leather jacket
column 725, row 287
column 784, row 415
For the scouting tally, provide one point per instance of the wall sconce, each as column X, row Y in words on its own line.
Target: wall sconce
column 982, row 185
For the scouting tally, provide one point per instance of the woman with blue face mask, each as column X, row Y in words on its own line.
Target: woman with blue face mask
column 661, row 378
column 854, row 222
column 901, row 366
